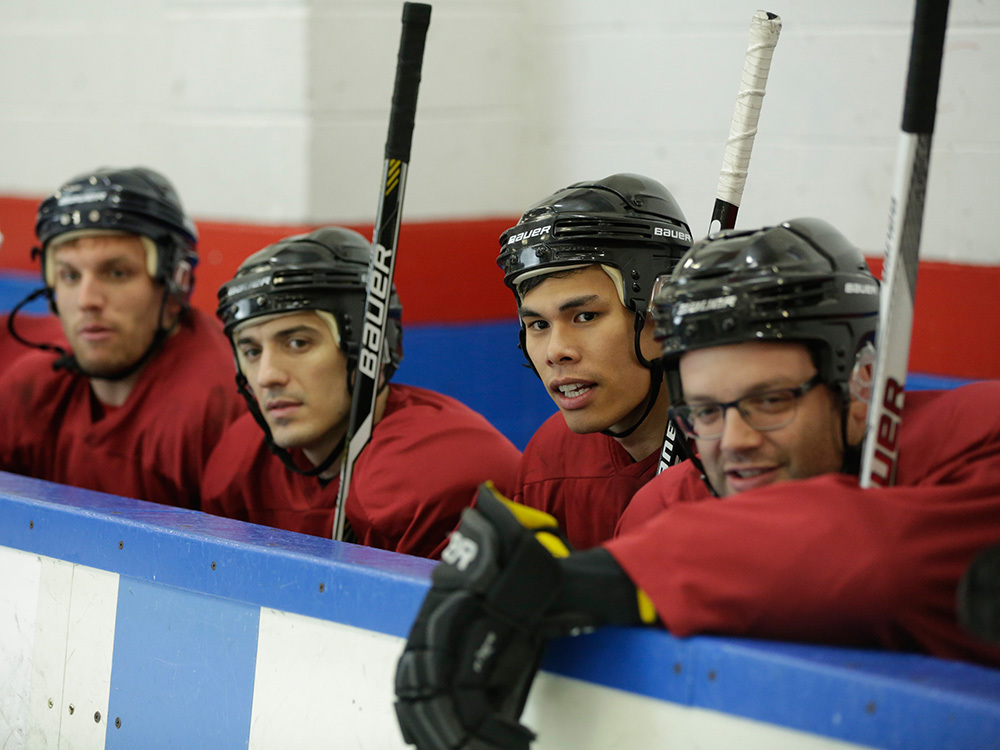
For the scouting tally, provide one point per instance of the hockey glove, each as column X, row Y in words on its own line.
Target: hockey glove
column 477, row 641
column 979, row 596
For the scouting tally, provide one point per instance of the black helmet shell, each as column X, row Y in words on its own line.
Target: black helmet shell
column 326, row 269
column 799, row 281
column 626, row 221
column 137, row 200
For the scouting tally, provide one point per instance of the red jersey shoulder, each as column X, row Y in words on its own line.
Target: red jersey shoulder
column 975, row 405
column 33, row 383
column 677, row 484
column 43, row 329
column 200, row 351
column 240, row 446
column 424, row 433
column 946, row 431
column 414, row 413
column 194, row 373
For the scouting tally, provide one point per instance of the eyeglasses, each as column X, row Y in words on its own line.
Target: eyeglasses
column 765, row 411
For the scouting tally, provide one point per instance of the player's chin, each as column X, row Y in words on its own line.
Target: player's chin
column 582, row 423
column 285, row 433
column 100, row 367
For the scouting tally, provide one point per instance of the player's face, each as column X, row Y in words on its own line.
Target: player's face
column 108, row 305
column 744, row 458
column 298, row 374
column 581, row 339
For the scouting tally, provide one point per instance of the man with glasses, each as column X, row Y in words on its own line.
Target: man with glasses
column 766, row 532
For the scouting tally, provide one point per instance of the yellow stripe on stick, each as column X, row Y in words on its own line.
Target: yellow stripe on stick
column 392, row 177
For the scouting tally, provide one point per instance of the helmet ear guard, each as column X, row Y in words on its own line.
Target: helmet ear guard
column 859, row 384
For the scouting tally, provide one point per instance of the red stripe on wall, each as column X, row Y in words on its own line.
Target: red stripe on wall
column 446, row 270
column 955, row 319
column 446, row 273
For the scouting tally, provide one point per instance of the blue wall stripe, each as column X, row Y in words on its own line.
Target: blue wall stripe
column 481, row 366
column 16, row 285
column 183, row 669
column 478, row 363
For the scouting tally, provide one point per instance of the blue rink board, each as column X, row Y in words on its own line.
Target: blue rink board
column 178, row 566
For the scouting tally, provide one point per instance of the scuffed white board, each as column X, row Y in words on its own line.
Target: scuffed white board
column 19, row 577
column 323, row 684
column 90, row 646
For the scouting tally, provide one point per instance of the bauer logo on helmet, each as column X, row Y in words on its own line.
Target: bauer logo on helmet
column 705, row 305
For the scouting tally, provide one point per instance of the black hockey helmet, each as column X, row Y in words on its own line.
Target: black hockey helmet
column 625, row 221
column 799, row 281
column 326, row 269
column 136, row 200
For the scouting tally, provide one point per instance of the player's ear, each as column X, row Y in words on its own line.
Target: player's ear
column 171, row 312
column 857, row 414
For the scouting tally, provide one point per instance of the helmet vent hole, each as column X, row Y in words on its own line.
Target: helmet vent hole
column 785, row 299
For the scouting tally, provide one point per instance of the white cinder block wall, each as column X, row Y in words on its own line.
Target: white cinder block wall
column 275, row 110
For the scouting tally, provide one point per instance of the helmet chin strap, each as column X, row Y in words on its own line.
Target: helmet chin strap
column 282, row 453
column 47, row 293
column 655, row 381
column 67, row 360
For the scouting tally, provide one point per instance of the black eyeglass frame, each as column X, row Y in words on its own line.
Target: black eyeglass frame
column 682, row 412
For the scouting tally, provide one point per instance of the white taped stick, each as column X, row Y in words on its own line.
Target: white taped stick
column 764, row 30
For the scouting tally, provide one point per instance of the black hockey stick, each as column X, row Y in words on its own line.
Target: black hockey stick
column 372, row 354
column 764, row 31
column 880, row 452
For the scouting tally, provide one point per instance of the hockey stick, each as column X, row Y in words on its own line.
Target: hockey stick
column 416, row 19
column 880, row 452
column 764, row 30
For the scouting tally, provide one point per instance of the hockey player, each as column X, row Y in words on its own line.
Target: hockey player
column 136, row 402
column 294, row 313
column 581, row 264
column 767, row 534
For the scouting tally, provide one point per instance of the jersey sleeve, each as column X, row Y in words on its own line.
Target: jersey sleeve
column 421, row 470
column 228, row 469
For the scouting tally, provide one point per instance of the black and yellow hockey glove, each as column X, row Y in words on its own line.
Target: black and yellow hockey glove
column 506, row 582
